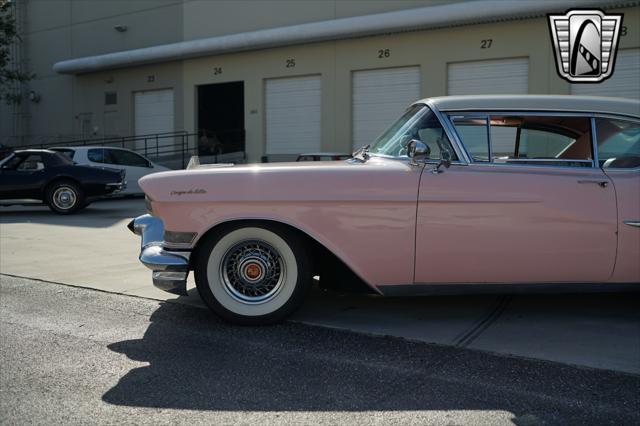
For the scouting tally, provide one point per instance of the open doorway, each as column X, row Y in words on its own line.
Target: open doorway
column 221, row 119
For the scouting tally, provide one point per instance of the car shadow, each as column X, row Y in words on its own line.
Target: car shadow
column 99, row 214
column 198, row 362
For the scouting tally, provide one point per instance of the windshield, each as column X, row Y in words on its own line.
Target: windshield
column 420, row 123
column 6, row 160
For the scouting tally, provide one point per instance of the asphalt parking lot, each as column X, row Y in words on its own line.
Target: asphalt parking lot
column 78, row 356
column 94, row 249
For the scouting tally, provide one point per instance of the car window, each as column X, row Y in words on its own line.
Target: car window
column 618, row 143
column 31, row 163
column 527, row 139
column 127, row 158
column 97, row 155
column 418, row 122
column 12, row 163
column 545, row 140
column 473, row 134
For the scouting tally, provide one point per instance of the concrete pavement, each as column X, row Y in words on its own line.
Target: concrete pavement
column 95, row 249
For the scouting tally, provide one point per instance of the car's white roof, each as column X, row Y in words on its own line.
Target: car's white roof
column 85, row 147
column 562, row 103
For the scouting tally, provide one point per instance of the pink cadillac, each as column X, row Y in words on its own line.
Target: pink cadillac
column 474, row 194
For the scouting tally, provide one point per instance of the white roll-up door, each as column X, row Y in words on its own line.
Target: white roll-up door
column 624, row 83
column 293, row 115
column 493, row 77
column 379, row 98
column 153, row 114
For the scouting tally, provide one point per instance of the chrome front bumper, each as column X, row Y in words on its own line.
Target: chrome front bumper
column 169, row 268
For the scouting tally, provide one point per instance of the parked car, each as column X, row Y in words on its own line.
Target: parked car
column 134, row 164
column 462, row 194
column 50, row 177
column 323, row 156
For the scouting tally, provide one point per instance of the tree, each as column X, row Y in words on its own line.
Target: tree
column 9, row 73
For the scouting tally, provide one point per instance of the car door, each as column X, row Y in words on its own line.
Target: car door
column 618, row 142
column 22, row 177
column 531, row 207
column 134, row 165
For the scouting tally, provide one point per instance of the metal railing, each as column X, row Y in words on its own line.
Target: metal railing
column 172, row 149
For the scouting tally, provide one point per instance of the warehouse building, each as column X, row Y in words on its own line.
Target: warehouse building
column 274, row 78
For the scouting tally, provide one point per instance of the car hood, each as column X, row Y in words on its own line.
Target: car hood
column 275, row 181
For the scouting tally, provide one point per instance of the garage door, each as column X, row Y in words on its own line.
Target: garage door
column 624, row 83
column 293, row 115
column 502, row 76
column 379, row 98
column 153, row 112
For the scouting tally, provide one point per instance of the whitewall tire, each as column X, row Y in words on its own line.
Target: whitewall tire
column 64, row 197
column 252, row 273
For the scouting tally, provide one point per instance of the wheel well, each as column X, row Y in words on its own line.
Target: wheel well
column 61, row 179
column 336, row 273
column 57, row 180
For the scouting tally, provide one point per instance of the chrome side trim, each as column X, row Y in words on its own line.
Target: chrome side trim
column 449, row 289
column 594, row 144
column 549, row 111
column 635, row 223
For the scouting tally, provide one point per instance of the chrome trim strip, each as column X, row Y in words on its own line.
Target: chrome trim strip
column 635, row 223
column 487, row 121
column 543, row 112
column 594, row 143
column 615, row 170
column 539, row 166
column 543, row 160
column 444, row 289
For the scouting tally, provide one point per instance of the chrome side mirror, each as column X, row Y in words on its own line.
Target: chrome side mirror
column 417, row 150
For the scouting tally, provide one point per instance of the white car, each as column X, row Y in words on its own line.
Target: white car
column 134, row 164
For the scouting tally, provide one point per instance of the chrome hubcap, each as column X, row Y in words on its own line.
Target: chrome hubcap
column 64, row 197
column 252, row 272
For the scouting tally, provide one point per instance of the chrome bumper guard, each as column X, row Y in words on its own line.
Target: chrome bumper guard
column 170, row 268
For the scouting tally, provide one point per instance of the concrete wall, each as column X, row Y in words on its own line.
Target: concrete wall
column 206, row 18
column 55, row 30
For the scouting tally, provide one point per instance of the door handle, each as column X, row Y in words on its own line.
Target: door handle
column 600, row 183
